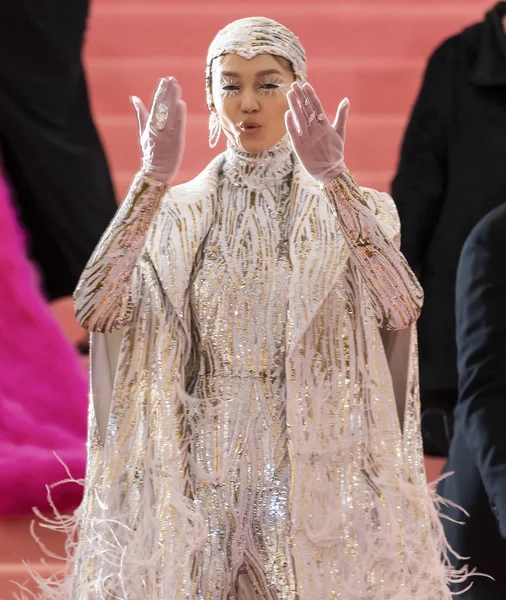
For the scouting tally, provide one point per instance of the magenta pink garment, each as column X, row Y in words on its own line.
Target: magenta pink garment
column 43, row 390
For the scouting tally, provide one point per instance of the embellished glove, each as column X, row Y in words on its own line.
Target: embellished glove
column 318, row 144
column 162, row 131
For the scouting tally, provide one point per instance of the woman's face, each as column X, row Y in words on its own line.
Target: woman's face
column 250, row 99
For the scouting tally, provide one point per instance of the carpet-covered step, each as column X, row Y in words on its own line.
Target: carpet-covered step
column 144, row 30
column 373, row 86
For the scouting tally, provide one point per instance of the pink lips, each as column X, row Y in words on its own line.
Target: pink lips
column 249, row 126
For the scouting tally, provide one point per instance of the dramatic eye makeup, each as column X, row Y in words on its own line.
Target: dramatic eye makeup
column 273, row 85
column 268, row 83
column 229, row 86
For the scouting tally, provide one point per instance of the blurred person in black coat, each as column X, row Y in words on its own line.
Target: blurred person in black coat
column 478, row 449
column 49, row 147
column 452, row 171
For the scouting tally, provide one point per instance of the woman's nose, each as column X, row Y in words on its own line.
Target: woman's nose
column 249, row 102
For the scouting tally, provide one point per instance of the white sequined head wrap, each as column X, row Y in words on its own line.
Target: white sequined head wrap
column 253, row 36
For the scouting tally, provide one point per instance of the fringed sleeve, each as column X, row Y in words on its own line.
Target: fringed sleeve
column 396, row 296
column 105, row 295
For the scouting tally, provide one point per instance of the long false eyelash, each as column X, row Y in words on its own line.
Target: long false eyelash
column 229, row 87
column 280, row 85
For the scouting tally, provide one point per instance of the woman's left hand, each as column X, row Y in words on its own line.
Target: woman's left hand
column 318, row 144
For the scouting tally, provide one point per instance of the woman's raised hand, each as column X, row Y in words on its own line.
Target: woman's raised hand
column 162, row 131
column 318, row 144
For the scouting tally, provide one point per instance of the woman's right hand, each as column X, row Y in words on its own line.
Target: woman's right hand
column 162, row 131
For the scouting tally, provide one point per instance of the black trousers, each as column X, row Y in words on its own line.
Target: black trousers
column 50, row 150
column 477, row 537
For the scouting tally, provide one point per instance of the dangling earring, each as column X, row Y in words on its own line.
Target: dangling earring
column 214, row 129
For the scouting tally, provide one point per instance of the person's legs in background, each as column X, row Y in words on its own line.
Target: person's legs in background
column 62, row 187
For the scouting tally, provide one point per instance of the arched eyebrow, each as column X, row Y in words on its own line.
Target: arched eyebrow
column 259, row 74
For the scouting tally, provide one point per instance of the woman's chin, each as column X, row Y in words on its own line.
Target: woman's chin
column 252, row 146
column 256, row 143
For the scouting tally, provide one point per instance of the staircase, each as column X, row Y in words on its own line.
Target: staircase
column 372, row 51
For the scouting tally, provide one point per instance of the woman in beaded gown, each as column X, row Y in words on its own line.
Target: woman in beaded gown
column 253, row 429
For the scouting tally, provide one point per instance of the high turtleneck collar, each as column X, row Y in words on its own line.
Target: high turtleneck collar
column 261, row 170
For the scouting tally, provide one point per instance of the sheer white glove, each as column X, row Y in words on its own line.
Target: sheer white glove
column 318, row 144
column 162, row 131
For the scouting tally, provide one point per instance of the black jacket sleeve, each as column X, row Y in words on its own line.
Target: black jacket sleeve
column 419, row 186
column 481, row 343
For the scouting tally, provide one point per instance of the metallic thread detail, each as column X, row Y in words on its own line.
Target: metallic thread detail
column 396, row 296
column 105, row 295
column 254, row 440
